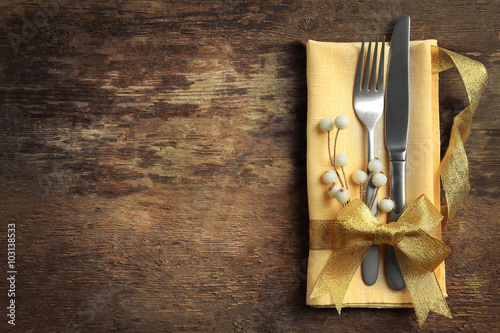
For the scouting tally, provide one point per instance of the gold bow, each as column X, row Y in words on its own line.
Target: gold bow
column 418, row 253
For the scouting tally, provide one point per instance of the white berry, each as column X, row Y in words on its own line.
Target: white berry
column 342, row 195
column 341, row 159
column 327, row 124
column 386, row 204
column 341, row 122
column 375, row 165
column 330, row 176
column 359, row 177
column 333, row 190
column 379, row 179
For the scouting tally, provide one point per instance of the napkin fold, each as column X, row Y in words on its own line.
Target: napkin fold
column 331, row 68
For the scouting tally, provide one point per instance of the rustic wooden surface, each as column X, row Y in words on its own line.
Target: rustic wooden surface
column 153, row 161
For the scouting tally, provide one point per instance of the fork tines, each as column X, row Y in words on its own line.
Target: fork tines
column 369, row 81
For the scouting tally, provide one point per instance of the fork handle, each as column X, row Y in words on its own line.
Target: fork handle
column 398, row 195
column 369, row 267
column 370, row 188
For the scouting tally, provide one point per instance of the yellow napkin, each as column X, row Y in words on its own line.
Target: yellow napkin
column 331, row 68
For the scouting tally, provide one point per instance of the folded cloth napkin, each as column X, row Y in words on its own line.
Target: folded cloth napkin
column 331, row 68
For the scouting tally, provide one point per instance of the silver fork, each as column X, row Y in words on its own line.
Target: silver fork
column 368, row 102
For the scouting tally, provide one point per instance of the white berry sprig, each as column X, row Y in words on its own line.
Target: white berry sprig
column 327, row 125
column 339, row 192
column 362, row 178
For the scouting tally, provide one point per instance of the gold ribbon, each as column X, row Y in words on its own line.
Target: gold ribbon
column 454, row 168
column 418, row 253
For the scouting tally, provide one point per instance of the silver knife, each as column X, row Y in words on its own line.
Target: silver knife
column 397, row 109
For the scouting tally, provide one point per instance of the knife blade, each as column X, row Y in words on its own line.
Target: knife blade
column 397, row 110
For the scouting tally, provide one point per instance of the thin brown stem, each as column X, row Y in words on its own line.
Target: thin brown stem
column 345, row 178
column 373, row 199
column 332, row 159
column 334, row 162
column 335, row 148
column 370, row 175
column 339, row 178
column 329, row 152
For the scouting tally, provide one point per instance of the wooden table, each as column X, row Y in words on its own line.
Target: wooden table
column 153, row 163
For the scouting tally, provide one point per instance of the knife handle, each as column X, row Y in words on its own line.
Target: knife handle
column 398, row 188
column 398, row 195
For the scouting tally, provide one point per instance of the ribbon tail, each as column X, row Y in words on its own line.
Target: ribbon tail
column 423, row 288
column 337, row 275
column 454, row 169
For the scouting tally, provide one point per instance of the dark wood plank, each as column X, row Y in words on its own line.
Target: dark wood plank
column 153, row 161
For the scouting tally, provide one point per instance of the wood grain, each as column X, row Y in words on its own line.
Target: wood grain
column 153, row 160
